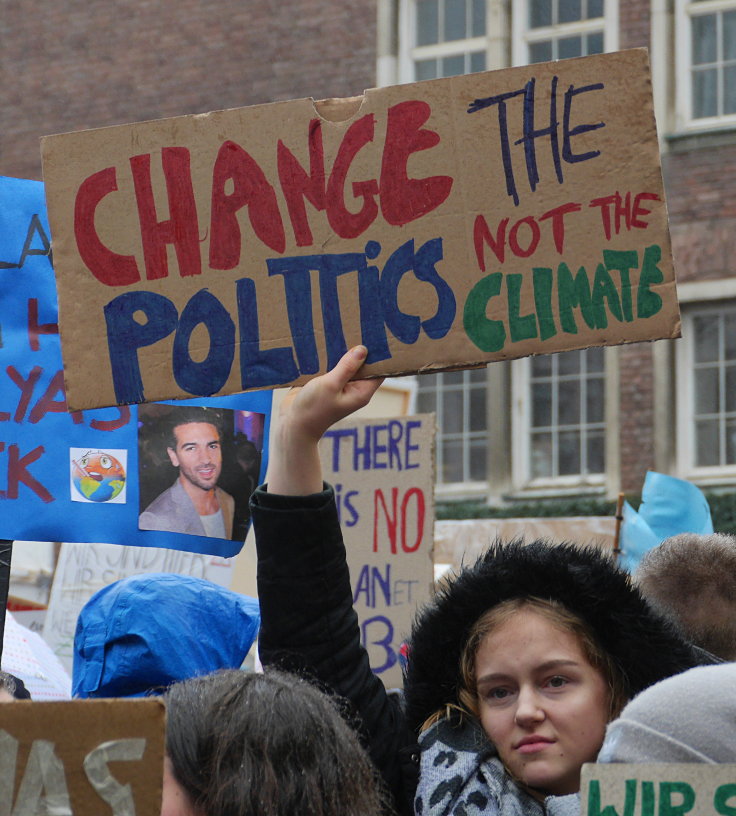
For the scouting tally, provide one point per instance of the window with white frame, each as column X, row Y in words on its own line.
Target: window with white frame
column 707, row 395
column 445, row 37
column 706, row 65
column 559, row 426
column 459, row 400
column 546, row 30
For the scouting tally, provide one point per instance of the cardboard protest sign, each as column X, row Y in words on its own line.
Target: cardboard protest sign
column 675, row 789
column 383, row 474
column 82, row 758
column 83, row 569
column 86, row 476
column 442, row 224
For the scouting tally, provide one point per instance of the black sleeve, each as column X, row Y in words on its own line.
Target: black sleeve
column 308, row 623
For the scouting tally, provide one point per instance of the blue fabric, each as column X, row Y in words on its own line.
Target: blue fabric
column 668, row 506
column 139, row 635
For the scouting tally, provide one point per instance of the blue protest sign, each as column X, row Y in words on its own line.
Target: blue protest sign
column 87, row 476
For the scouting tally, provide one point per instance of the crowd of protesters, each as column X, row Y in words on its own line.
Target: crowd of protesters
column 525, row 665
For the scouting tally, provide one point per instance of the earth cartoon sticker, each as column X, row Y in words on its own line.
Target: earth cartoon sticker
column 98, row 475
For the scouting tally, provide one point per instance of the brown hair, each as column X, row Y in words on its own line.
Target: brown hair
column 556, row 614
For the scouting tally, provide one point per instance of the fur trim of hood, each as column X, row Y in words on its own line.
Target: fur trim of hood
column 646, row 646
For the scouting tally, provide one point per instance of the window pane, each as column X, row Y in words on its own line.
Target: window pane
column 477, row 61
column 568, row 362
column 452, row 461
column 569, row 453
column 453, row 66
column 729, row 89
column 478, row 409
column 706, row 443
column 730, row 443
column 706, row 339
column 478, row 375
column 478, row 455
column 705, row 93
column 594, row 404
column 704, row 39
column 596, row 447
column 594, row 43
column 541, row 465
column 454, row 20
column 729, row 35
column 569, row 11
column 569, row 403
column 540, row 52
column 569, row 47
column 729, row 335
column 595, row 9
column 730, row 388
column 540, row 13
column 594, row 359
column 452, row 412
column 706, row 391
column 427, row 17
column 451, row 378
column 541, row 405
column 426, row 402
column 479, row 18
column 425, row 69
column 541, row 366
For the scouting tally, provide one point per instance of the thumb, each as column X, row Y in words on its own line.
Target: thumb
column 349, row 364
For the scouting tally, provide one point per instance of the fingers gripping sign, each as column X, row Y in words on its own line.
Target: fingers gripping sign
column 306, row 413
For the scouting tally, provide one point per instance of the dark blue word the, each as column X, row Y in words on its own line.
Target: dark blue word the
column 139, row 319
column 386, row 446
column 532, row 133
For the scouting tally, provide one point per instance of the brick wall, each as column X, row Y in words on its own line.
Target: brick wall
column 76, row 64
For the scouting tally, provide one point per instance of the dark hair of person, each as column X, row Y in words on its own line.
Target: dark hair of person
column 691, row 579
column 247, row 744
column 14, row 685
column 185, row 416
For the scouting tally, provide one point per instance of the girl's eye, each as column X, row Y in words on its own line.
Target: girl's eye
column 499, row 694
column 557, row 681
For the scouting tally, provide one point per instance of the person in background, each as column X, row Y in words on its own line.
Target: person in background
column 514, row 668
column 138, row 635
column 692, row 579
column 246, row 744
column 12, row 688
column 690, row 717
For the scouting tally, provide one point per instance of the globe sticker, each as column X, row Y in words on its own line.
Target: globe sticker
column 98, row 475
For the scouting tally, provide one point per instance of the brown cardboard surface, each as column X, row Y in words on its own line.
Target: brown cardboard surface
column 644, row 789
column 383, row 474
column 442, row 223
column 53, row 741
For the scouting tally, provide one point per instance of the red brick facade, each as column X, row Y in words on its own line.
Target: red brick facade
column 71, row 65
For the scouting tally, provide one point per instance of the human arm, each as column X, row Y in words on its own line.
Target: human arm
column 308, row 621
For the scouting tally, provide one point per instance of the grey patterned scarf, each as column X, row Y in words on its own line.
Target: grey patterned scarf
column 460, row 774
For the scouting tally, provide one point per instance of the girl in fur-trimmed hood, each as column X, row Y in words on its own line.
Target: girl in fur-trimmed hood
column 514, row 668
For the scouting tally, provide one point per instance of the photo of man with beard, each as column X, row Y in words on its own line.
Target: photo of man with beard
column 193, row 504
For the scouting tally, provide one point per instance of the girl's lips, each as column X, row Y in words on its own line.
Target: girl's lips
column 533, row 745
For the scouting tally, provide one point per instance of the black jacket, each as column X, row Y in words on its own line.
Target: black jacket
column 308, row 623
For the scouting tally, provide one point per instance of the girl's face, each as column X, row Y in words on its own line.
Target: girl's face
column 541, row 703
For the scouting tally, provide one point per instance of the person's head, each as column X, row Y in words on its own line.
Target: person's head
column 543, row 689
column 690, row 717
column 692, row 579
column 244, row 744
column 195, row 447
column 590, row 612
column 12, row 688
column 142, row 633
